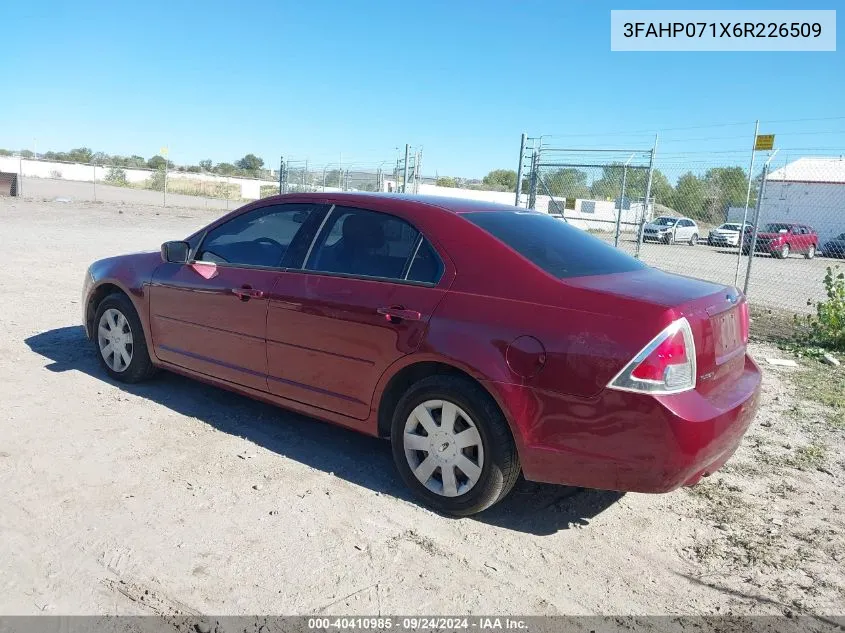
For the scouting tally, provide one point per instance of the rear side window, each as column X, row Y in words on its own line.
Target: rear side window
column 555, row 246
column 426, row 266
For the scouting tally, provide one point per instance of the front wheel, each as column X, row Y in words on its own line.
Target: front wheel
column 452, row 446
column 694, row 239
column 119, row 338
column 811, row 253
column 783, row 253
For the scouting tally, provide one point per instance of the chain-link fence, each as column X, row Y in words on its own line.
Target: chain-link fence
column 773, row 234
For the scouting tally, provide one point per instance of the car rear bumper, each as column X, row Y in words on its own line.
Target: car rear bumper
column 634, row 442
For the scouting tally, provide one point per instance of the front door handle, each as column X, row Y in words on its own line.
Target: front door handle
column 395, row 314
column 245, row 293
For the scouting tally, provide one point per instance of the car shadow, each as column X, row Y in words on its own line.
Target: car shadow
column 366, row 461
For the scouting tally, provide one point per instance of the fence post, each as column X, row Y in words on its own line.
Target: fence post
column 519, row 169
column 753, row 244
column 532, row 190
column 281, row 171
column 95, row 183
column 647, row 196
column 621, row 204
column 747, row 200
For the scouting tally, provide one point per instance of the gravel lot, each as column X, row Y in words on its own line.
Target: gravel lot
column 174, row 496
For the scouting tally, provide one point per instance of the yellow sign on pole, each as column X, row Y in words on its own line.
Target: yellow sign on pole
column 764, row 142
column 163, row 151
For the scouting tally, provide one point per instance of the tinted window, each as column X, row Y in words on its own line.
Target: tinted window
column 555, row 246
column 426, row 266
column 776, row 228
column 366, row 243
column 257, row 238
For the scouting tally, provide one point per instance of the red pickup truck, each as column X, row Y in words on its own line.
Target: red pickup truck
column 779, row 239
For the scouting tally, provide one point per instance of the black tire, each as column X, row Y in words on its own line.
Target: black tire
column 140, row 366
column 810, row 254
column 782, row 252
column 694, row 239
column 669, row 239
column 500, row 469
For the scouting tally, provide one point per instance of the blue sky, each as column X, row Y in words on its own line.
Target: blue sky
column 462, row 80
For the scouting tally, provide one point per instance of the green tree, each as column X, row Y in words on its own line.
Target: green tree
column 80, row 155
column 446, row 181
column 566, row 182
column 26, row 153
column 226, row 169
column 725, row 187
column 609, row 186
column 689, row 196
column 5, row 152
column 205, row 165
column 158, row 162
column 502, row 179
column 250, row 163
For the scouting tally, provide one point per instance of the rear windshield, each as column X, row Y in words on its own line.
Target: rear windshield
column 555, row 246
column 730, row 227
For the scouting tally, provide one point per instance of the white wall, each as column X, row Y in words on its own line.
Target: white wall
column 250, row 188
column 501, row 197
column 820, row 205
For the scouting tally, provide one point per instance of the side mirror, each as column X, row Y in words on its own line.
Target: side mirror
column 175, row 252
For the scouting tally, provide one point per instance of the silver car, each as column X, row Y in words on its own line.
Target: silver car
column 726, row 234
column 669, row 230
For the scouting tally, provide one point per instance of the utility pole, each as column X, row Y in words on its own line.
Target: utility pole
column 405, row 177
column 281, row 171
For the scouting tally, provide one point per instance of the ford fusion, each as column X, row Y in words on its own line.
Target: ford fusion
column 484, row 341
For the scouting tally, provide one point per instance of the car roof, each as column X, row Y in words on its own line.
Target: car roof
column 455, row 205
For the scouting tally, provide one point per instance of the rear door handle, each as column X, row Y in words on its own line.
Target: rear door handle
column 245, row 293
column 394, row 314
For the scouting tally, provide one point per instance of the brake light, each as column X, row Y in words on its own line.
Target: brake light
column 666, row 365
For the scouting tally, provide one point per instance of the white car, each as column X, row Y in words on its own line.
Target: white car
column 669, row 230
column 726, row 234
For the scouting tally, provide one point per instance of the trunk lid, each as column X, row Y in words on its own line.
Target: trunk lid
column 716, row 313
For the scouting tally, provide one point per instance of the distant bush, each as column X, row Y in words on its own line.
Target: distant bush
column 156, row 180
column 116, row 176
column 826, row 328
column 269, row 190
column 55, row 173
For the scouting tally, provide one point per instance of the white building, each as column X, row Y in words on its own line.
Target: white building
column 810, row 191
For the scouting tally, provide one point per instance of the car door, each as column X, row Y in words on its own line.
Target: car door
column 362, row 300
column 210, row 315
column 684, row 232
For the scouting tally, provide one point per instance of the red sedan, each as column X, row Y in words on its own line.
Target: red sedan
column 482, row 339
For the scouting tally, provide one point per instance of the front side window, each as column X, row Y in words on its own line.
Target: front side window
column 261, row 237
column 665, row 222
column 363, row 243
column 776, row 228
column 555, row 246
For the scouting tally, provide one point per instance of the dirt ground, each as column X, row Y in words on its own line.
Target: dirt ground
column 174, row 496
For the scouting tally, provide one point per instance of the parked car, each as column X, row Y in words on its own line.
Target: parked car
column 727, row 234
column 780, row 239
column 483, row 340
column 834, row 247
column 669, row 230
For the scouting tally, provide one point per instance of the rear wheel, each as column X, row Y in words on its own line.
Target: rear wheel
column 694, row 239
column 119, row 338
column 811, row 253
column 452, row 446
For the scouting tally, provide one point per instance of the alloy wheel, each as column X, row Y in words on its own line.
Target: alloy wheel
column 443, row 447
column 114, row 338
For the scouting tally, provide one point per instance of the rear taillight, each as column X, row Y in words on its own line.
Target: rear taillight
column 666, row 365
column 744, row 321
